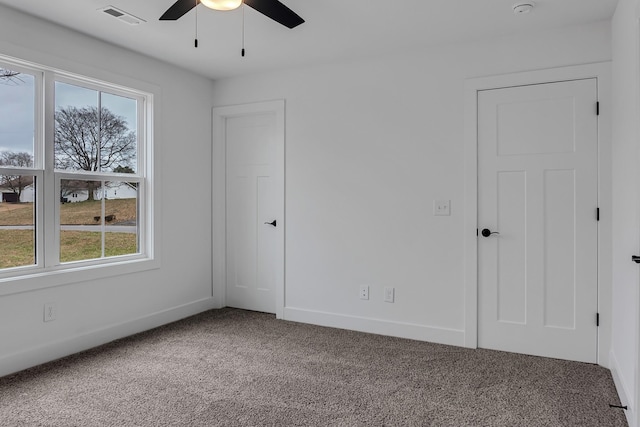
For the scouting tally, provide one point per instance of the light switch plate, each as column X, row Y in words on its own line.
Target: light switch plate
column 389, row 294
column 442, row 207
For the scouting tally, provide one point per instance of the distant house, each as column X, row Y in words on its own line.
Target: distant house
column 120, row 190
column 9, row 191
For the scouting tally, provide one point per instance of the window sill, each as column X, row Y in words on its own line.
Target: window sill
column 66, row 275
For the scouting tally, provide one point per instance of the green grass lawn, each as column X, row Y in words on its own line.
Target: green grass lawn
column 79, row 213
column 81, row 245
column 17, row 247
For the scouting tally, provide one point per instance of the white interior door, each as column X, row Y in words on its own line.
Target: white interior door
column 254, row 220
column 537, row 188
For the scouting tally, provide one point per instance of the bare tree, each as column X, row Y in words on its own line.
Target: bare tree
column 91, row 140
column 16, row 183
column 9, row 76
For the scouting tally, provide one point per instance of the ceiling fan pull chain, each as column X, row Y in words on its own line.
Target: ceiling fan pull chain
column 243, row 29
column 195, row 42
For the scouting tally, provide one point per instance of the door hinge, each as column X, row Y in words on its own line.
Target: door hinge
column 597, row 214
column 597, row 319
column 598, row 108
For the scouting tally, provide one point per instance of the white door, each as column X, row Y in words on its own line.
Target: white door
column 537, row 188
column 254, row 215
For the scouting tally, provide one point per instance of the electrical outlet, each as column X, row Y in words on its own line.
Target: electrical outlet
column 49, row 312
column 364, row 292
column 389, row 294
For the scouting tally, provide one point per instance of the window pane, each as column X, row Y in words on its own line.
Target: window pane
column 94, row 131
column 76, row 128
column 121, row 218
column 80, row 225
column 119, row 139
column 17, row 118
column 97, row 219
column 17, row 221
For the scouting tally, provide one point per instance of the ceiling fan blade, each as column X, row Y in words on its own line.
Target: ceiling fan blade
column 178, row 9
column 276, row 11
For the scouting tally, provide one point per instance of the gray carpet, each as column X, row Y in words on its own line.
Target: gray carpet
column 237, row 368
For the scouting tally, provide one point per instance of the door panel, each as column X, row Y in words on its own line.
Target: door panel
column 251, row 204
column 519, row 130
column 537, row 187
column 511, row 250
column 559, row 248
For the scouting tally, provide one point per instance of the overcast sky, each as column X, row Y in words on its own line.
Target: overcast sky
column 17, row 113
column 17, row 109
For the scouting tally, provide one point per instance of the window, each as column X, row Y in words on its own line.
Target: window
column 18, row 177
column 73, row 171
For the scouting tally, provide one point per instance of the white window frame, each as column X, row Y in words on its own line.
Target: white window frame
column 48, row 270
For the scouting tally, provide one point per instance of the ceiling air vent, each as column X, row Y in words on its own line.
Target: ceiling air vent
column 122, row 15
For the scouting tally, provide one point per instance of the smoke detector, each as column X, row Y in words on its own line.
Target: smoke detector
column 122, row 15
column 520, row 8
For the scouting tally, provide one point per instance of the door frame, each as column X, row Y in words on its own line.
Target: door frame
column 633, row 416
column 602, row 73
column 219, row 188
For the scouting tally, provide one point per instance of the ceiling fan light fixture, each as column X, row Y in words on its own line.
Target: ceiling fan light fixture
column 222, row 4
column 522, row 8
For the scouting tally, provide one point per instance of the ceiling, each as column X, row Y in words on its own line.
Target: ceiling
column 334, row 30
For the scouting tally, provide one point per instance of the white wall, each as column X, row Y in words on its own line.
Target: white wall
column 369, row 145
column 95, row 311
column 626, row 231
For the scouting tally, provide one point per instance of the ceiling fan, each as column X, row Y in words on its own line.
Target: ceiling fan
column 270, row 8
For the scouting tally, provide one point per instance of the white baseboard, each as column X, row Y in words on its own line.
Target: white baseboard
column 376, row 326
column 45, row 353
column 623, row 391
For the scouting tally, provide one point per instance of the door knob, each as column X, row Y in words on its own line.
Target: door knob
column 486, row 232
column 635, row 258
column 271, row 223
